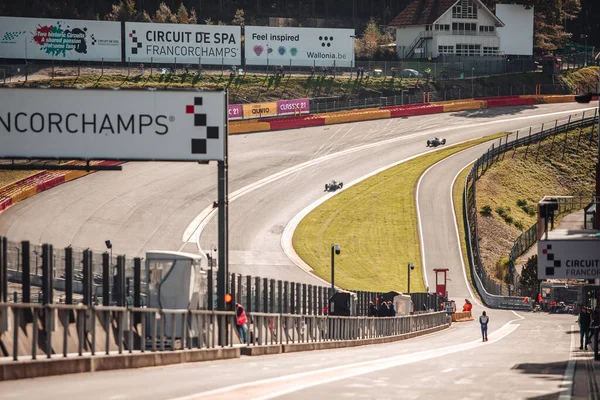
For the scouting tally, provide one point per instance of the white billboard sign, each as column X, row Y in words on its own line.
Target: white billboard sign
column 516, row 37
column 569, row 259
column 60, row 39
column 184, row 125
column 299, row 46
column 182, row 43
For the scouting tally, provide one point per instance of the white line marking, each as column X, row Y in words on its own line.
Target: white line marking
column 520, row 317
column 567, row 382
column 279, row 386
column 198, row 224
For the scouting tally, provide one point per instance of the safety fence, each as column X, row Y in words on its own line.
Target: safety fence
column 495, row 293
column 44, row 275
column 74, row 330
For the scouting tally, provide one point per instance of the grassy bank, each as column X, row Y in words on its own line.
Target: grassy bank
column 257, row 88
column 508, row 193
column 375, row 223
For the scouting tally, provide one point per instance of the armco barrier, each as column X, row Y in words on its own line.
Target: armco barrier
column 465, row 105
column 409, row 111
column 295, row 122
column 510, row 102
column 356, row 116
column 248, row 126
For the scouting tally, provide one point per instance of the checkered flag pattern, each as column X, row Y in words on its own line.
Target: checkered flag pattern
column 549, row 258
column 136, row 45
column 204, row 131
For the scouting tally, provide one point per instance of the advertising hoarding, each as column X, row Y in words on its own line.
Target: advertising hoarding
column 182, row 43
column 60, row 39
column 299, row 46
column 569, row 259
column 235, row 111
column 260, row 110
column 179, row 125
column 293, row 107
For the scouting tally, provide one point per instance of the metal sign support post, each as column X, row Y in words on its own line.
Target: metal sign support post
column 223, row 201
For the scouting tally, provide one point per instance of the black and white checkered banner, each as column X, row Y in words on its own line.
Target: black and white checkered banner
column 178, row 125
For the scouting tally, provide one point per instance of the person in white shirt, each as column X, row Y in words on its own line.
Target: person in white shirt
column 483, row 321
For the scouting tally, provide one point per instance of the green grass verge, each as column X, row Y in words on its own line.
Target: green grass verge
column 375, row 223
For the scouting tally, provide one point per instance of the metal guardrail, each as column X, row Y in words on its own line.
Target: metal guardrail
column 494, row 293
column 128, row 330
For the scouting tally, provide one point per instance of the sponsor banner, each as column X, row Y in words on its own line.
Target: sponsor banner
column 235, row 111
column 293, row 107
column 260, row 110
column 183, row 43
column 60, row 39
column 299, row 46
column 92, row 124
column 569, row 258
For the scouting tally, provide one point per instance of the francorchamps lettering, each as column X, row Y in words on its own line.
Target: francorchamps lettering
column 84, row 123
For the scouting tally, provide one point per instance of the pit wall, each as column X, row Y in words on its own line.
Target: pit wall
column 369, row 114
column 45, row 180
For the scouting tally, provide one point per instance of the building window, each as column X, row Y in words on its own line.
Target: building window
column 446, row 49
column 491, row 51
column 468, row 50
column 487, row 29
column 442, row 27
column 463, row 28
column 466, row 10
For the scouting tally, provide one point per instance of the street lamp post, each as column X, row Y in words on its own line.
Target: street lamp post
column 585, row 37
column 335, row 249
column 472, row 82
column 411, row 266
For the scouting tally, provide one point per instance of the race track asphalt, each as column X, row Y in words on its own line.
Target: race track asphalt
column 150, row 206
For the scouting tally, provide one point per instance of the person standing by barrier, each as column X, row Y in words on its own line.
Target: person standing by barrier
column 584, row 327
column 372, row 309
column 392, row 309
column 242, row 322
column 483, row 321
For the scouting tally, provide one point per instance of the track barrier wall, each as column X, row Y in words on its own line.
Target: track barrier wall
column 272, row 124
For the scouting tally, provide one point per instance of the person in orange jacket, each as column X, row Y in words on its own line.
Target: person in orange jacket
column 468, row 306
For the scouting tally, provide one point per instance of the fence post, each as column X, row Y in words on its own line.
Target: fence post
column 120, row 284
column 265, row 295
column 105, row 279
column 248, row 304
column 68, row 275
column 47, row 274
column 257, row 294
column 528, row 143
column 4, row 271
column 292, row 297
column 25, row 273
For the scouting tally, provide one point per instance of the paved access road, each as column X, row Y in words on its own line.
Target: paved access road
column 524, row 359
column 156, row 205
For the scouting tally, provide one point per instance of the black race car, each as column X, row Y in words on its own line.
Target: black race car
column 435, row 142
column 333, row 186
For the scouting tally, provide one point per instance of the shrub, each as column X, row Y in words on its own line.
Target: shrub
column 522, row 203
column 519, row 225
column 486, row 211
column 501, row 211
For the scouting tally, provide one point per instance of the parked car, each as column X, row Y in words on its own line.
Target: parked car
column 410, row 73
